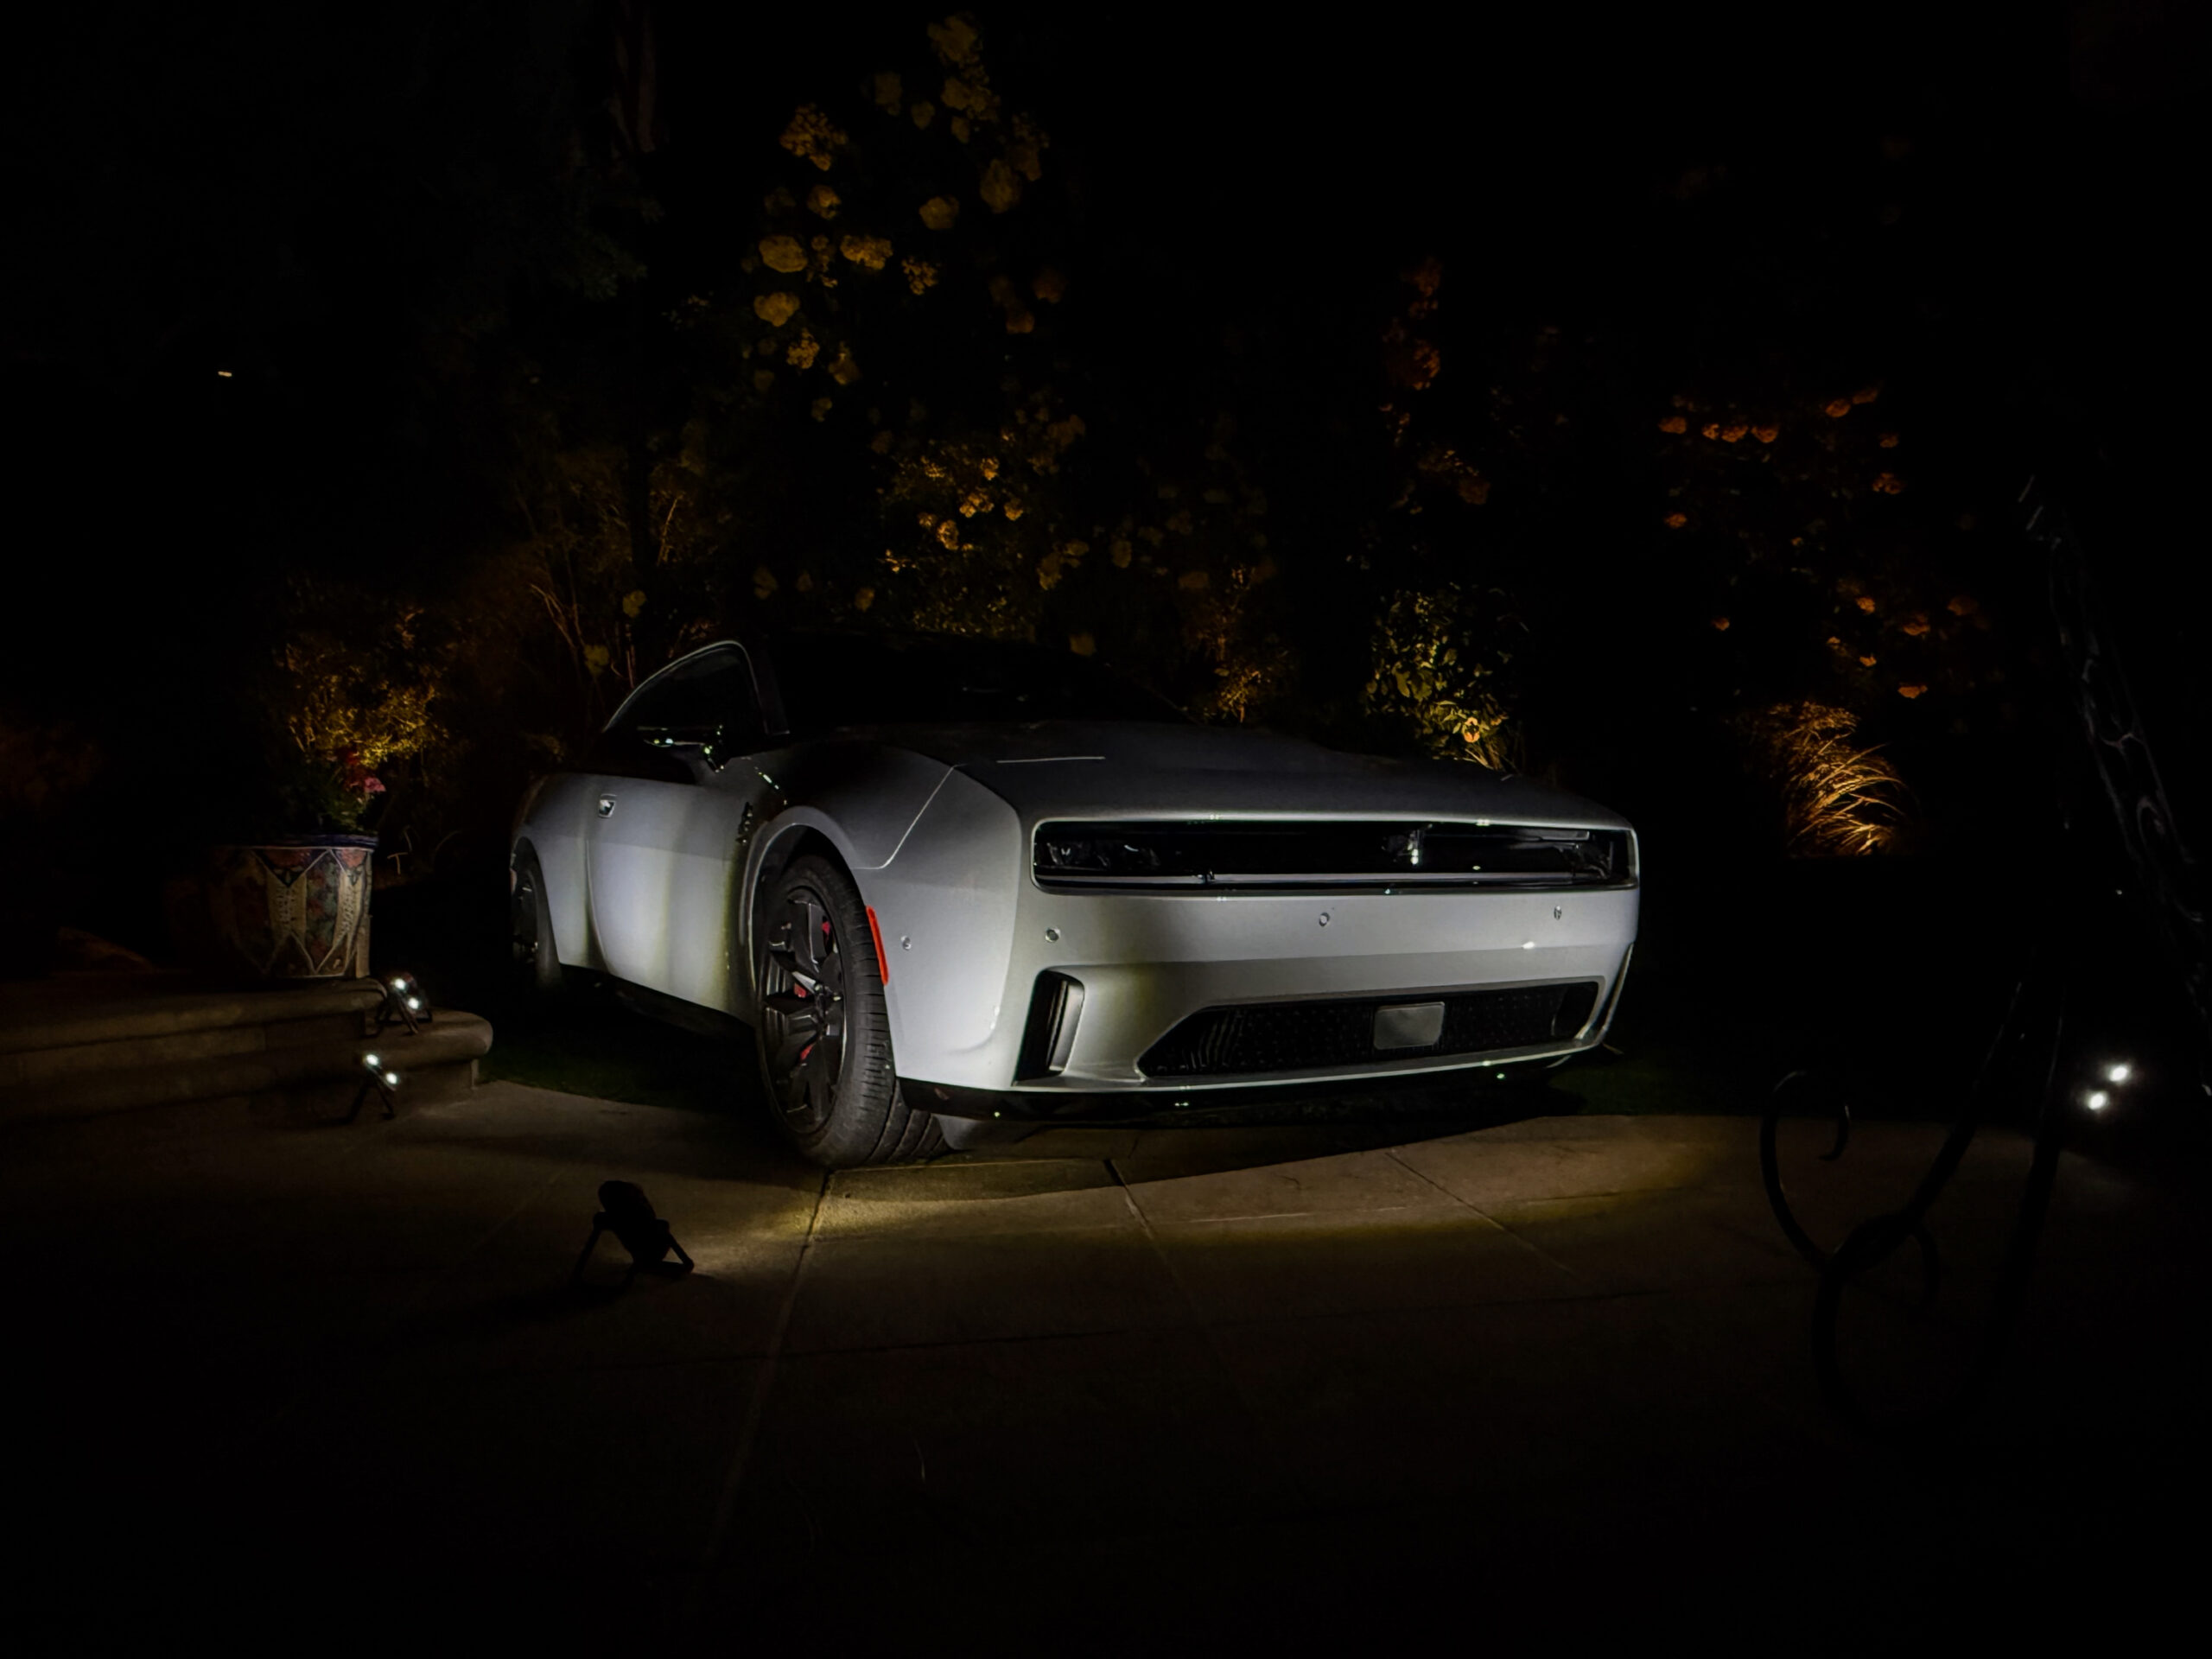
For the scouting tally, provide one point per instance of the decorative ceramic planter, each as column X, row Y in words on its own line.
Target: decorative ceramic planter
column 296, row 907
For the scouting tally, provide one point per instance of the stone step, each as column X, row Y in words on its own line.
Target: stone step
column 31, row 1067
column 308, row 1059
column 74, row 1013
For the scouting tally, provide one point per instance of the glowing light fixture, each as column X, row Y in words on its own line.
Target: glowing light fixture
column 405, row 1002
column 2118, row 1071
column 2096, row 1100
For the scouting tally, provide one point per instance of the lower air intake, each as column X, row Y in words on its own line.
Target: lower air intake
column 1308, row 1036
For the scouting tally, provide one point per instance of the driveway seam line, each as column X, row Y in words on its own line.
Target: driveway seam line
column 1511, row 1232
column 1284, row 1470
column 755, row 1409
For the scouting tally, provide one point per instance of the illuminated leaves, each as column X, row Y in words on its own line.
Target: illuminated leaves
column 824, row 200
column 763, row 582
column 1442, row 463
column 1675, row 424
column 1436, row 658
column 1409, row 361
column 921, row 275
column 888, row 90
column 843, row 369
column 1836, row 799
column 776, row 309
column 1001, row 188
column 940, row 213
column 785, row 254
column 954, row 40
column 1065, row 557
column 869, row 252
column 812, row 137
column 803, row 351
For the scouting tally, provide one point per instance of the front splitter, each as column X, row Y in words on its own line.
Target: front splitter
column 1036, row 1106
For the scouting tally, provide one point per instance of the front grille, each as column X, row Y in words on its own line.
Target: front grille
column 1304, row 1036
column 1326, row 852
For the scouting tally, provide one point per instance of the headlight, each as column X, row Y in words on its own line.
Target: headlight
column 1096, row 856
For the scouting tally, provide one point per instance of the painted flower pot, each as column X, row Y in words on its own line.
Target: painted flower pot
column 296, row 907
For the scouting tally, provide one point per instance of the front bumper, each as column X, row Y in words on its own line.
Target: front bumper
column 1147, row 962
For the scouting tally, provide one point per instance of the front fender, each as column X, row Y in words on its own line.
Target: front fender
column 862, row 798
column 946, row 907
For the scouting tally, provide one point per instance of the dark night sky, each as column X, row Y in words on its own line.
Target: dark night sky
column 1691, row 183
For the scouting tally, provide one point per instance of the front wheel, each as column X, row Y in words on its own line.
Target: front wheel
column 825, row 1034
column 530, row 921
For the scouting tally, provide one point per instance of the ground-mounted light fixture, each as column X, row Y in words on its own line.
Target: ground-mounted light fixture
column 2114, row 1073
column 381, row 1076
column 404, row 1001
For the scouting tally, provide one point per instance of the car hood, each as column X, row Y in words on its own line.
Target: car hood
column 1056, row 769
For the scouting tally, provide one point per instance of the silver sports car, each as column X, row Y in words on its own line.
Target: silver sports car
column 949, row 881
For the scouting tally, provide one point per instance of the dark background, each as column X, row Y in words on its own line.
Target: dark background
column 359, row 216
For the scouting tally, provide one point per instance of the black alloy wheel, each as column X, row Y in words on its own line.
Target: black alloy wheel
column 824, row 1035
column 529, row 923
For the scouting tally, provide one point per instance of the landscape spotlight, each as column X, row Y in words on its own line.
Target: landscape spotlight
column 404, row 1001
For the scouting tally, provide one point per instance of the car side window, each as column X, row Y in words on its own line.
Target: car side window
column 712, row 698
column 708, row 712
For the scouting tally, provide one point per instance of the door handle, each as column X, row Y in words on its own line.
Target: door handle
column 606, row 806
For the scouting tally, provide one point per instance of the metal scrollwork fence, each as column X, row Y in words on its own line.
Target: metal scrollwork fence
column 2031, row 1045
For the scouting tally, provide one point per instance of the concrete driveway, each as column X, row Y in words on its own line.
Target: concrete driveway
column 1101, row 1391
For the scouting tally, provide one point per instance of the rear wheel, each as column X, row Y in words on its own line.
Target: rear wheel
column 824, row 1030
column 530, row 922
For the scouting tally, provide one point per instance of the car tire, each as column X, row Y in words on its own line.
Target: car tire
column 530, row 922
column 822, row 1029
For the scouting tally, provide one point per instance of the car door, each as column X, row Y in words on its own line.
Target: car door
column 674, row 798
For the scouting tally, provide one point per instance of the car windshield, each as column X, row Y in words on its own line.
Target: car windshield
column 830, row 681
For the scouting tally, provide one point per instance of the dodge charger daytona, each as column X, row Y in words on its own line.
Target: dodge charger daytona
column 950, row 883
